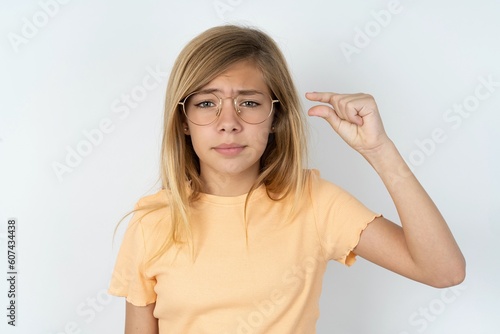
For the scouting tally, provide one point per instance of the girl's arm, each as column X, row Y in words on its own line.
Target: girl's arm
column 140, row 319
column 422, row 249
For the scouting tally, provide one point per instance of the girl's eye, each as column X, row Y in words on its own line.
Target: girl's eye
column 249, row 104
column 206, row 104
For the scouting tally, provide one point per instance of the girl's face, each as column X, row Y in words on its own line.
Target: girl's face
column 230, row 149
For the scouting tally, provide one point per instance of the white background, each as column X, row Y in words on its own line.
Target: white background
column 69, row 73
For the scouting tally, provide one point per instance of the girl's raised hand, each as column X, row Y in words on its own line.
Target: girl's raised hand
column 354, row 117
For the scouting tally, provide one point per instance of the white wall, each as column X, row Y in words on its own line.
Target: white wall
column 69, row 75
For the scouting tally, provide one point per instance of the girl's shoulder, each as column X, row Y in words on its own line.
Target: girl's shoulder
column 158, row 199
column 152, row 209
column 318, row 185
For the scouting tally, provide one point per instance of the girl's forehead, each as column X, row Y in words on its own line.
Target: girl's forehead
column 241, row 76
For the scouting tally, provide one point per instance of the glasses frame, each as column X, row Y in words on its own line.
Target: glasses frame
column 219, row 107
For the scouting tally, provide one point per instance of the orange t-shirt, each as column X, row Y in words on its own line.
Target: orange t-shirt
column 271, row 286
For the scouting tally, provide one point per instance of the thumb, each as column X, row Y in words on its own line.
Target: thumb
column 326, row 113
column 321, row 111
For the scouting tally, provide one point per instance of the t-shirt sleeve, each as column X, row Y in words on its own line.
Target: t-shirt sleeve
column 340, row 219
column 129, row 279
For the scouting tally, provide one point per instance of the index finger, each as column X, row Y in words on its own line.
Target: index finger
column 325, row 97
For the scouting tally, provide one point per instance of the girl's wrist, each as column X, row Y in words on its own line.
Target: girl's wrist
column 387, row 161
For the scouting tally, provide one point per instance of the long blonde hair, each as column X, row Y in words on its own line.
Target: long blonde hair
column 282, row 163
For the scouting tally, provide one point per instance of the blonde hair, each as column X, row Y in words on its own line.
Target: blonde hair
column 282, row 163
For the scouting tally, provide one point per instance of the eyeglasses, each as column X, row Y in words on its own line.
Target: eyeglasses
column 204, row 108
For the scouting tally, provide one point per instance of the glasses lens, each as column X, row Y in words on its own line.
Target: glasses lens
column 201, row 108
column 254, row 107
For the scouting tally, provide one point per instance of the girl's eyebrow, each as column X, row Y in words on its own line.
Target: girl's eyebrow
column 238, row 92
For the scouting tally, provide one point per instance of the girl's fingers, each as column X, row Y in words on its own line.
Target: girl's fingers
column 346, row 106
column 326, row 113
column 325, row 97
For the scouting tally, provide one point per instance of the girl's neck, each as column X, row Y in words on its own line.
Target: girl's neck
column 227, row 185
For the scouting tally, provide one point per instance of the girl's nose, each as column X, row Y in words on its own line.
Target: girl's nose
column 228, row 119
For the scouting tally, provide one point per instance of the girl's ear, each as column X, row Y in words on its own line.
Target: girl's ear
column 185, row 128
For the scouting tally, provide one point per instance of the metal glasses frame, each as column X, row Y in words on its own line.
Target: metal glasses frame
column 219, row 108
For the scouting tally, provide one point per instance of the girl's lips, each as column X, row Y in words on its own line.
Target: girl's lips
column 229, row 149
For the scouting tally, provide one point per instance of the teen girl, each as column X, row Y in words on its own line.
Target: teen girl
column 238, row 238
